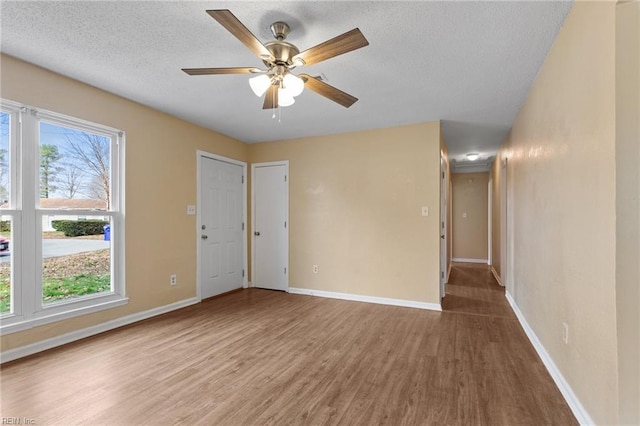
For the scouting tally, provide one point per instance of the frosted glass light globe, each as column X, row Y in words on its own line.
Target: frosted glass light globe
column 260, row 84
column 284, row 98
column 293, row 83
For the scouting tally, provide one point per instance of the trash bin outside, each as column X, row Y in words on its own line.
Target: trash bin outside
column 107, row 232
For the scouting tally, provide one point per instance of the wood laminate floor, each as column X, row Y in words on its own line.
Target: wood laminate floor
column 472, row 289
column 263, row 357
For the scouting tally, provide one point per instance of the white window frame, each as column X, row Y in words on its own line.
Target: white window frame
column 28, row 308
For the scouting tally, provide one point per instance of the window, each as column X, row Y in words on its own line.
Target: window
column 61, row 217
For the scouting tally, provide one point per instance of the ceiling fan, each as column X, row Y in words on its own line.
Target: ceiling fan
column 280, row 58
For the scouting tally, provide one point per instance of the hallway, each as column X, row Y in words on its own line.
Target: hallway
column 472, row 289
column 491, row 341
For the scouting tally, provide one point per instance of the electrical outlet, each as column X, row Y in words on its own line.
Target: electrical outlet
column 173, row 279
column 565, row 333
column 425, row 211
column 315, row 269
column 191, row 209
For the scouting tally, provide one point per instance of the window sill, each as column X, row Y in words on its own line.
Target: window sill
column 45, row 317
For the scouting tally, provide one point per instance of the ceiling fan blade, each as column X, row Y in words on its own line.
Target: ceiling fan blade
column 271, row 97
column 208, row 71
column 351, row 40
column 328, row 91
column 242, row 33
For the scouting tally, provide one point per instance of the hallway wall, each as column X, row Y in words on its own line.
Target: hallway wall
column 561, row 179
column 627, row 206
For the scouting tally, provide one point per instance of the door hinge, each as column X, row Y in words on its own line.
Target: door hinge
column 243, row 226
column 285, row 223
column 442, row 175
column 285, row 271
column 441, row 274
column 242, row 179
column 442, row 225
column 243, row 272
column 285, row 178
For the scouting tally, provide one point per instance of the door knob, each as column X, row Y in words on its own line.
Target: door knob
column 204, row 237
column 442, row 236
column 257, row 234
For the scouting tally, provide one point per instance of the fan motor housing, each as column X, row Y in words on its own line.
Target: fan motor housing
column 282, row 51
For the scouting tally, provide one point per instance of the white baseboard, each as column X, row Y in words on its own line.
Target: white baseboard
column 53, row 342
column 572, row 400
column 465, row 260
column 367, row 299
column 496, row 276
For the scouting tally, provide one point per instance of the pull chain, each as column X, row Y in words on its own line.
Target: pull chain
column 273, row 101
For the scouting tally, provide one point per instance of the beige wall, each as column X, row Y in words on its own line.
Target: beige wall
column 470, row 197
column 561, row 175
column 355, row 211
column 160, row 182
column 496, row 215
column 355, row 200
column 627, row 207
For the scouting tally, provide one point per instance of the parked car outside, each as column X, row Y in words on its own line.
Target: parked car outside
column 4, row 246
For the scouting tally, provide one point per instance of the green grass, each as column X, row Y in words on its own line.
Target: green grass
column 61, row 288
column 80, row 285
column 5, row 293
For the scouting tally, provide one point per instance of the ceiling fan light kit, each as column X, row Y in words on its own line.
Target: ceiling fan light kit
column 277, row 83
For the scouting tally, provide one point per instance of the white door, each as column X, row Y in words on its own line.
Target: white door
column 270, row 228
column 221, row 248
column 443, row 227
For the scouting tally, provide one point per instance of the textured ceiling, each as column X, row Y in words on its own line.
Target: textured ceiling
column 469, row 64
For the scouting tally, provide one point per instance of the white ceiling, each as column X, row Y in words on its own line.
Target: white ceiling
column 469, row 64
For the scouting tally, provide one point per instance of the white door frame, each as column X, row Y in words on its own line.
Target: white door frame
column 203, row 154
column 284, row 163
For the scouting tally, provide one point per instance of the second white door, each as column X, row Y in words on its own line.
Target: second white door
column 270, row 228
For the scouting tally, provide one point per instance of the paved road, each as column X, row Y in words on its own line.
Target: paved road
column 63, row 247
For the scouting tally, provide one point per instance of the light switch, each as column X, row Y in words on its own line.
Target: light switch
column 191, row 210
column 425, row 210
column 464, row 215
